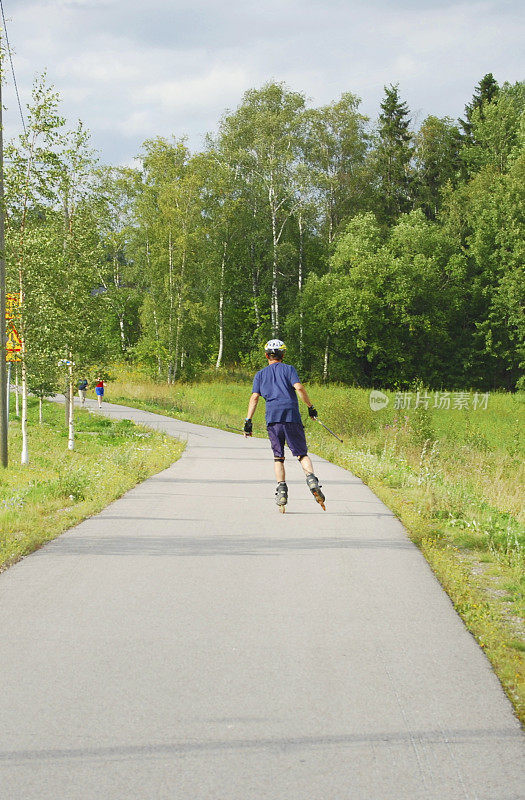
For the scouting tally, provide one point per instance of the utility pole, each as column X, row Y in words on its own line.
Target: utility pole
column 3, row 371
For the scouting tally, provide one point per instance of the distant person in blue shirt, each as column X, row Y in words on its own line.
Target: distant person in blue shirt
column 279, row 384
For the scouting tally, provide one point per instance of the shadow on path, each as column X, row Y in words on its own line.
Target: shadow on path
column 213, row 545
column 445, row 738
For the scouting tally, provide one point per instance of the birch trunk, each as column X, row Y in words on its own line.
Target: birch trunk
column 8, row 399
column 255, row 278
column 277, row 231
column 325, row 361
column 331, row 216
column 66, row 403
column 24, row 458
column 71, row 418
column 17, row 399
column 330, row 240
column 172, row 370
column 155, row 320
column 122, row 334
column 120, row 314
column 40, row 410
column 221, row 310
column 255, row 291
column 179, row 315
column 159, row 360
column 275, row 290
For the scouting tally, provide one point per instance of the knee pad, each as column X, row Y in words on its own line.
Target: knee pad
column 300, row 458
column 278, row 459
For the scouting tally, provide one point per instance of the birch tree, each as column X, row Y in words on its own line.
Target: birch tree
column 335, row 152
column 30, row 179
column 169, row 213
column 222, row 212
column 119, row 278
column 80, row 252
column 266, row 133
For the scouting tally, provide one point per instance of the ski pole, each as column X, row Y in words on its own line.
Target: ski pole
column 328, row 429
column 235, row 429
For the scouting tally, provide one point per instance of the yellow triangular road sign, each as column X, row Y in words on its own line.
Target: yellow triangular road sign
column 13, row 344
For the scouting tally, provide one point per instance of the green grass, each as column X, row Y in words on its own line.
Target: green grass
column 59, row 488
column 453, row 477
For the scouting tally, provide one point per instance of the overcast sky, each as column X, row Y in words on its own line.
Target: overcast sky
column 132, row 69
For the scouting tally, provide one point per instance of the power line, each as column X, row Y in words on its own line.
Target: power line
column 12, row 67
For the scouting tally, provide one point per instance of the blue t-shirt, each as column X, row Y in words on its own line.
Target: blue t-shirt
column 275, row 383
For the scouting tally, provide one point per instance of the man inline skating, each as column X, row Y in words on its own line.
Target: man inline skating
column 279, row 384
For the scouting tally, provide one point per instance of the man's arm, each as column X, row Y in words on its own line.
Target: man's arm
column 252, row 405
column 303, row 394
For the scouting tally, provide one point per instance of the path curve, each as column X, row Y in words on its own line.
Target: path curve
column 191, row 643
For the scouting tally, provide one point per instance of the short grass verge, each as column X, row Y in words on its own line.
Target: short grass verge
column 59, row 488
column 454, row 477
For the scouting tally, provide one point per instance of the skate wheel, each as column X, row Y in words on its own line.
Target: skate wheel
column 321, row 502
column 282, row 509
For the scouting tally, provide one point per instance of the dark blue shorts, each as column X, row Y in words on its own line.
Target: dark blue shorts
column 292, row 433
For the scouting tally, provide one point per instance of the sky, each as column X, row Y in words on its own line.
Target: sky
column 133, row 70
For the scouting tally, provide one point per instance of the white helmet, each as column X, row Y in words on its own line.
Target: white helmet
column 274, row 346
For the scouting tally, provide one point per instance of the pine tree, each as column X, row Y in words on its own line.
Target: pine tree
column 437, row 162
column 485, row 92
column 392, row 156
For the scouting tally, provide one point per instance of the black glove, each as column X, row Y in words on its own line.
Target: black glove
column 312, row 412
column 248, row 427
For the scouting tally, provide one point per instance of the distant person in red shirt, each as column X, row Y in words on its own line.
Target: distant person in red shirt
column 99, row 391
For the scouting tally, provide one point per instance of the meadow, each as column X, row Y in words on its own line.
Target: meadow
column 451, row 469
column 59, row 488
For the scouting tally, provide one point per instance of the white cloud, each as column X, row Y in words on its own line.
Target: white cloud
column 139, row 123
column 98, row 66
column 82, row 3
column 131, row 70
column 223, row 83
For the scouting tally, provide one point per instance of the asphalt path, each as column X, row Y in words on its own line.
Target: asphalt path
column 192, row 643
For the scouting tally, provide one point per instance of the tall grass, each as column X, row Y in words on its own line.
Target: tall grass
column 454, row 477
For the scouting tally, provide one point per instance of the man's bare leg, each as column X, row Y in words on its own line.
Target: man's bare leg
column 311, row 480
column 279, row 471
column 281, row 493
column 306, row 464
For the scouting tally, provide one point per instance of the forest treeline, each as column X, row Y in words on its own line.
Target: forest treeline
column 382, row 253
